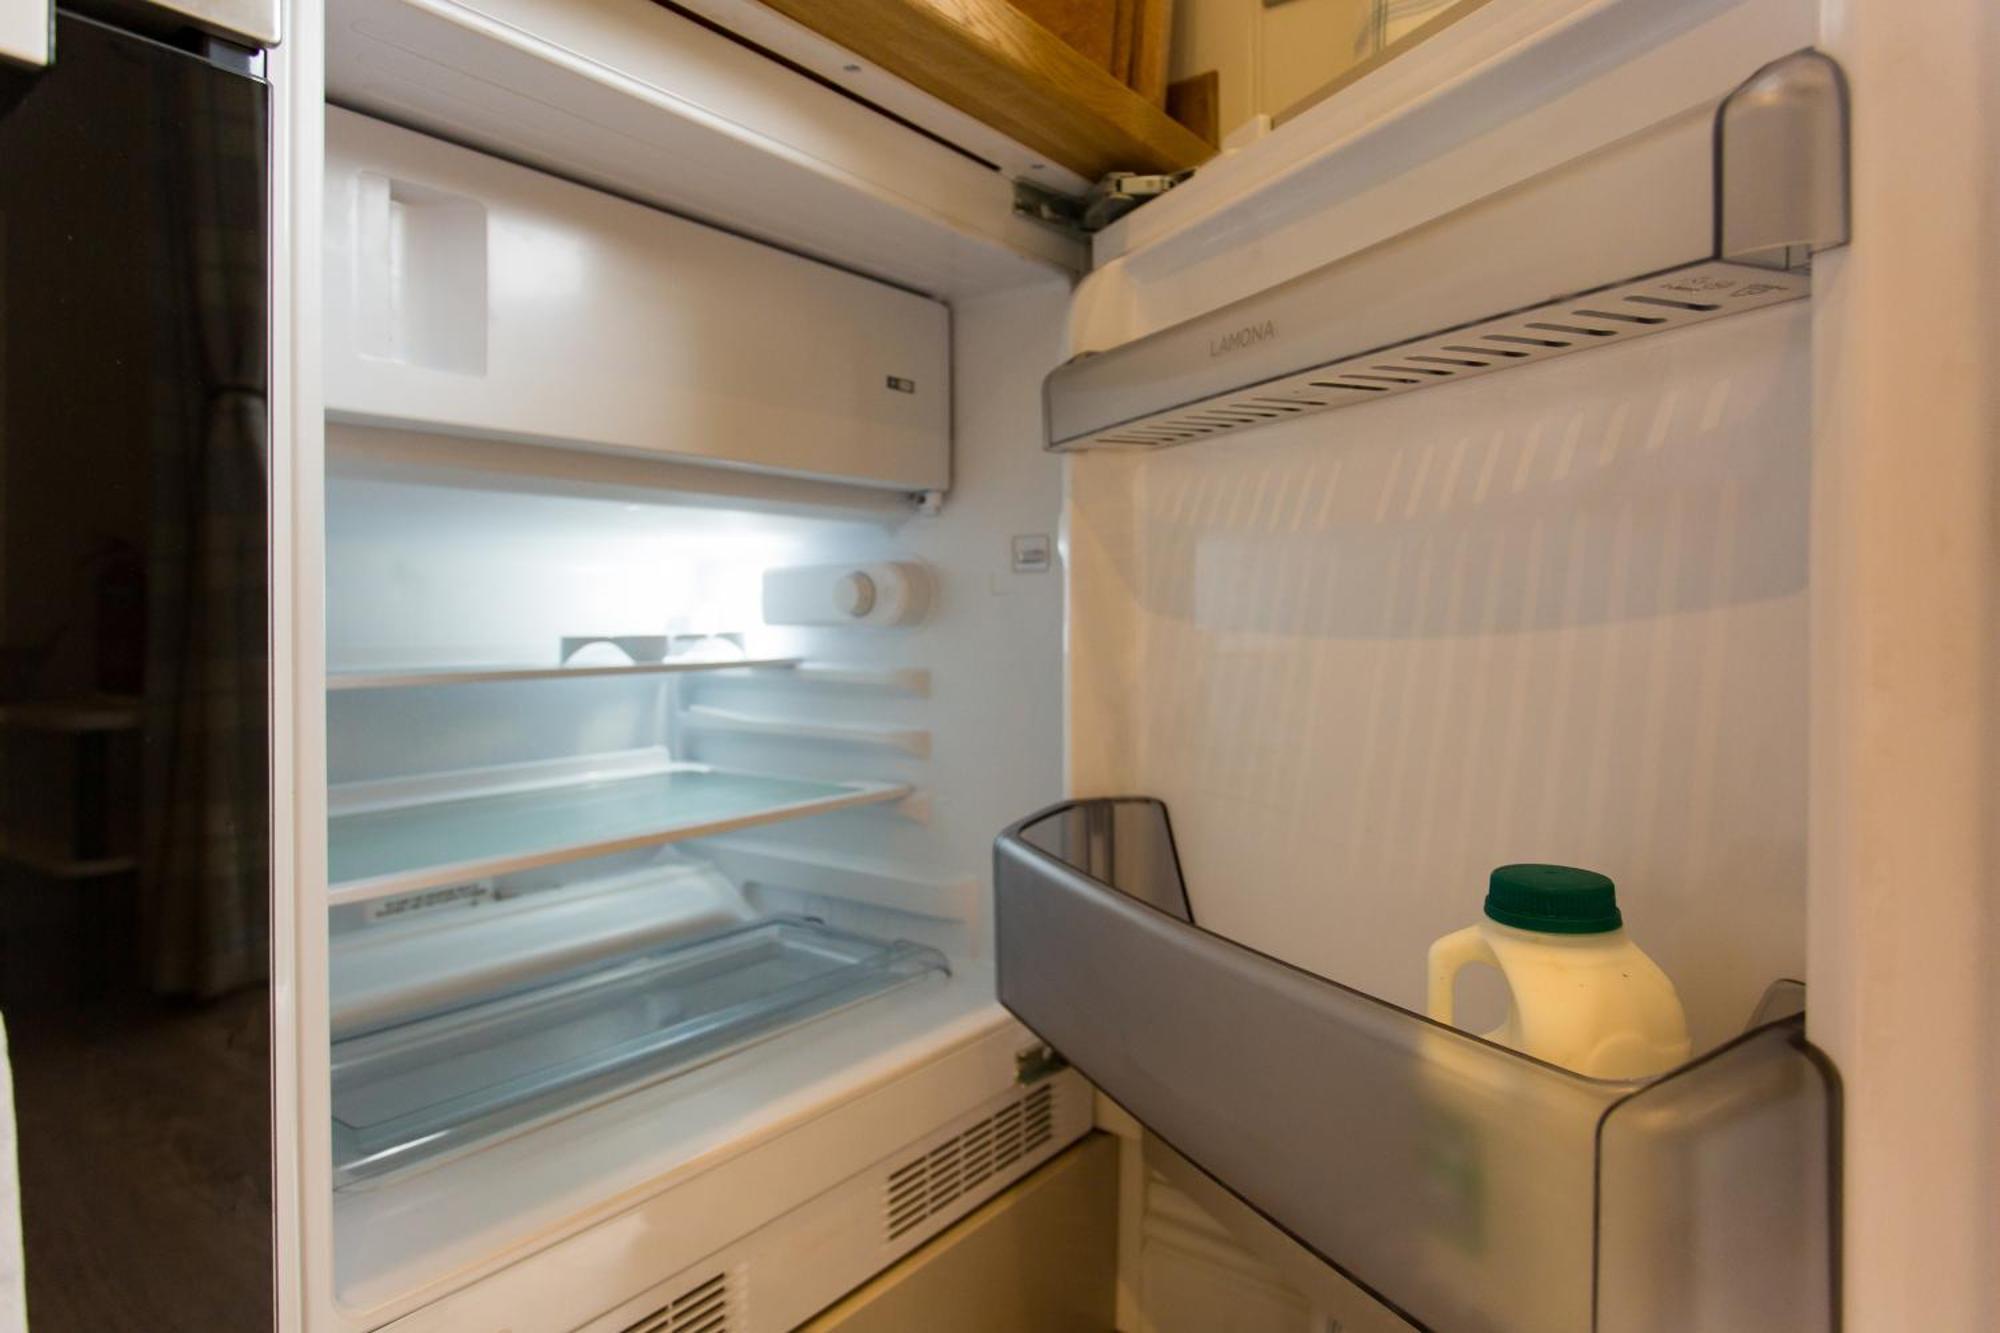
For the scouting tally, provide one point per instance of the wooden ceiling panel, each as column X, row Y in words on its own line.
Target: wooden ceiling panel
column 993, row 61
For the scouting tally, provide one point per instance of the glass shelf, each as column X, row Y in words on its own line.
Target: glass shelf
column 1467, row 1185
column 413, row 1093
column 453, row 837
column 413, row 677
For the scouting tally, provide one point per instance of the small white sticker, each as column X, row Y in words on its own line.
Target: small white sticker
column 408, row 904
column 1031, row 553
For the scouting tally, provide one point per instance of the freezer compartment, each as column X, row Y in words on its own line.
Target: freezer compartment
column 410, row 1094
column 468, row 295
column 1464, row 1184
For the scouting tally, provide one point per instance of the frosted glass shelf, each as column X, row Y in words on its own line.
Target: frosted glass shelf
column 414, row 1093
column 1467, row 1185
column 413, row 677
column 449, row 838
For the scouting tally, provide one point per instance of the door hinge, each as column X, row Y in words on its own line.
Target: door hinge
column 1117, row 194
column 1032, row 1064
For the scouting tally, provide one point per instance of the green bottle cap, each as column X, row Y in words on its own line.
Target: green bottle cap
column 1557, row 900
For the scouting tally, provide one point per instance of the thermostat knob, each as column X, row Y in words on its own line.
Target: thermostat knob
column 854, row 594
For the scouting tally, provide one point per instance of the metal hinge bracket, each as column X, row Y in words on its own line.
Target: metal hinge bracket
column 1117, row 194
column 1035, row 1063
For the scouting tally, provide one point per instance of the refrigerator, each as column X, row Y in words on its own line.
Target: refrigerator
column 806, row 702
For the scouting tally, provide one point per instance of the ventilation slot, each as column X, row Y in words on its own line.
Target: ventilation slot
column 1573, row 328
column 1627, row 319
column 702, row 1308
column 1039, row 1121
column 1674, row 305
column 924, row 1186
column 1528, row 342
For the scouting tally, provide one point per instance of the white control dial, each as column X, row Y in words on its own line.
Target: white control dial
column 854, row 594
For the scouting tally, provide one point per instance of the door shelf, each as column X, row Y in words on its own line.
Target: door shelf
column 1694, row 219
column 1463, row 1183
column 418, row 1092
column 425, row 835
column 415, row 677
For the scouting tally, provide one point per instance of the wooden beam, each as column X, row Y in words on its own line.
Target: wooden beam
column 1088, row 25
column 993, row 62
column 1196, row 102
column 1152, row 49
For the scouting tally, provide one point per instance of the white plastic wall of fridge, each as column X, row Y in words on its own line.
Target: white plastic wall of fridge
column 886, row 1213
column 597, row 323
column 879, row 595
column 420, row 274
column 1562, row 619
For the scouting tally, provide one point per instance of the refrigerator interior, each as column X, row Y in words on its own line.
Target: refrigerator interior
column 513, row 1048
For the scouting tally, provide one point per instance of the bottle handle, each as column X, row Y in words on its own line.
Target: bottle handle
column 1448, row 956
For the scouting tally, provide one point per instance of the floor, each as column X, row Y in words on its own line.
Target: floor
column 145, row 1164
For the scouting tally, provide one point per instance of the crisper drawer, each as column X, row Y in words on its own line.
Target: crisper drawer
column 470, row 296
column 409, row 1094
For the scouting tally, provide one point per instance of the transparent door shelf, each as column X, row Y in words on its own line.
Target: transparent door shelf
column 1467, row 1185
column 449, row 839
column 413, row 1093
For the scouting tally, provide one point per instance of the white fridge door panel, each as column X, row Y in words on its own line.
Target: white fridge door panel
column 1554, row 615
column 471, row 296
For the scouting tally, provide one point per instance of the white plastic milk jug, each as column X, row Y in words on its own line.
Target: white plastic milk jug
column 1583, row 996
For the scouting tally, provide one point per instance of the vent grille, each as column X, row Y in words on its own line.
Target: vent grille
column 931, row 1182
column 1613, row 314
column 702, row 1308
